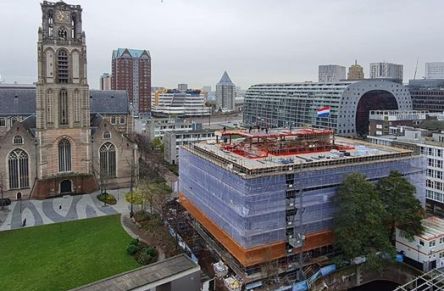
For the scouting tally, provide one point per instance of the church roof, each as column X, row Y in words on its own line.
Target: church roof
column 135, row 53
column 225, row 80
column 21, row 101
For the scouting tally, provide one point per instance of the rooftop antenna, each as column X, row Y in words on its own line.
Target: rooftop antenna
column 416, row 68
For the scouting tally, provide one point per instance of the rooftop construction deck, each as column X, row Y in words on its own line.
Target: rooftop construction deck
column 269, row 195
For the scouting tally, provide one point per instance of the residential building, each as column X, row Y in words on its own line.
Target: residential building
column 389, row 71
column 105, row 81
column 131, row 71
column 262, row 196
column 425, row 251
column 434, row 70
column 355, row 72
column 182, row 87
column 296, row 104
column 430, row 144
column 384, row 122
column 176, row 103
column 61, row 147
column 225, row 94
column 172, row 140
column 427, row 94
column 331, row 73
column 157, row 127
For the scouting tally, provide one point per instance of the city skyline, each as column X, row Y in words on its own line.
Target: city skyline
column 206, row 39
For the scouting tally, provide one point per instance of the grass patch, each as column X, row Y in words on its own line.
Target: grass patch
column 63, row 255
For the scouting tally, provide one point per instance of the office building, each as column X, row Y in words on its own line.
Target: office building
column 389, row 71
column 176, row 103
column 157, row 127
column 331, row 73
column 434, row 70
column 384, row 122
column 105, row 81
column 430, row 144
column 427, row 94
column 355, row 72
column 131, row 71
column 172, row 140
column 182, row 87
column 262, row 196
column 296, row 104
column 225, row 94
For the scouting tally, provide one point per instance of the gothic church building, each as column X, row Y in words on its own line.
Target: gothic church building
column 64, row 146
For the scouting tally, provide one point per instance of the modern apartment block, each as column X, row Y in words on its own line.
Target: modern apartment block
column 172, row 140
column 355, row 72
column 263, row 196
column 180, row 103
column 131, row 71
column 427, row 94
column 434, row 70
column 386, row 71
column 431, row 146
column 225, row 94
column 331, row 73
column 384, row 122
column 105, row 81
column 296, row 104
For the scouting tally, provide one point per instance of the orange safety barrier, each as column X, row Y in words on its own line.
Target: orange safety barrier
column 257, row 255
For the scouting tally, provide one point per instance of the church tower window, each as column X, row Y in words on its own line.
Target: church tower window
column 63, row 107
column 18, row 169
column 108, row 160
column 62, row 66
column 64, row 155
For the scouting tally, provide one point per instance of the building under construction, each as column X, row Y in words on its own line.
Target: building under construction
column 265, row 198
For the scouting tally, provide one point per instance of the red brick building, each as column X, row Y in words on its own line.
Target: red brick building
column 131, row 71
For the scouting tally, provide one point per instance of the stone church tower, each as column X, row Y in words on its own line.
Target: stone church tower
column 63, row 133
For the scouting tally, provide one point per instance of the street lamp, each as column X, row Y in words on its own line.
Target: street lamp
column 131, row 185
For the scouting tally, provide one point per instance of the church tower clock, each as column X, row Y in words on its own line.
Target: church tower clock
column 62, row 105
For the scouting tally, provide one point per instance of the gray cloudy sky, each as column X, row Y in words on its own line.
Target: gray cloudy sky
column 194, row 41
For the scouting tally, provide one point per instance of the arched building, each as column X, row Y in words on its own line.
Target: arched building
column 296, row 104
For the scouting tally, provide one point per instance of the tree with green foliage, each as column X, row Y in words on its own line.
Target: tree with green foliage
column 157, row 144
column 403, row 210
column 359, row 227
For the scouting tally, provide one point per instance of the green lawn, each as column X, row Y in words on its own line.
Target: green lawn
column 63, row 255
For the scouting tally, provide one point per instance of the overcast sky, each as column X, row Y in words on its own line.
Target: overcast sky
column 256, row 41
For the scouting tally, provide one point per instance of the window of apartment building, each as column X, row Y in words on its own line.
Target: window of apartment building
column 441, row 240
column 430, row 151
column 432, row 243
column 441, row 255
column 2, row 122
column 438, row 163
column 421, row 242
column 438, row 174
column 429, row 183
column 438, row 185
column 430, row 173
column 431, row 163
column 438, row 153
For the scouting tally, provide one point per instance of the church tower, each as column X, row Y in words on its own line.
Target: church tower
column 63, row 135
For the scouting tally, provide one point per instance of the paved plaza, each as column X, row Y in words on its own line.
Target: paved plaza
column 37, row 212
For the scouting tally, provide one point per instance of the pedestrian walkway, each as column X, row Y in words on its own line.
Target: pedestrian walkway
column 66, row 208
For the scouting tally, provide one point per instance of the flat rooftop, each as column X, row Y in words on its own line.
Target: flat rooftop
column 351, row 151
column 146, row 276
column 433, row 228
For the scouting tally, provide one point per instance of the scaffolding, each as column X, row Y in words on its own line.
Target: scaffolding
column 430, row 281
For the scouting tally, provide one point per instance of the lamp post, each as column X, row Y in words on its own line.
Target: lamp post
column 131, row 185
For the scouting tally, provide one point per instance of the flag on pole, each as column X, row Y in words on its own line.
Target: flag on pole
column 324, row 111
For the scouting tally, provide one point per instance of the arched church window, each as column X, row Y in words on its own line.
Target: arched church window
column 18, row 169
column 62, row 66
column 64, row 155
column 63, row 107
column 18, row 139
column 108, row 160
column 73, row 26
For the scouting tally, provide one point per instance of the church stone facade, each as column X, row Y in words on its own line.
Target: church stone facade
column 64, row 148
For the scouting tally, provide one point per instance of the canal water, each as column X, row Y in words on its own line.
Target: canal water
column 376, row 286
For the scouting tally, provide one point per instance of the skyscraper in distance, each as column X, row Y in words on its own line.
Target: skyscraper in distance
column 331, row 73
column 131, row 71
column 434, row 70
column 105, row 81
column 386, row 71
column 225, row 93
column 355, row 72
